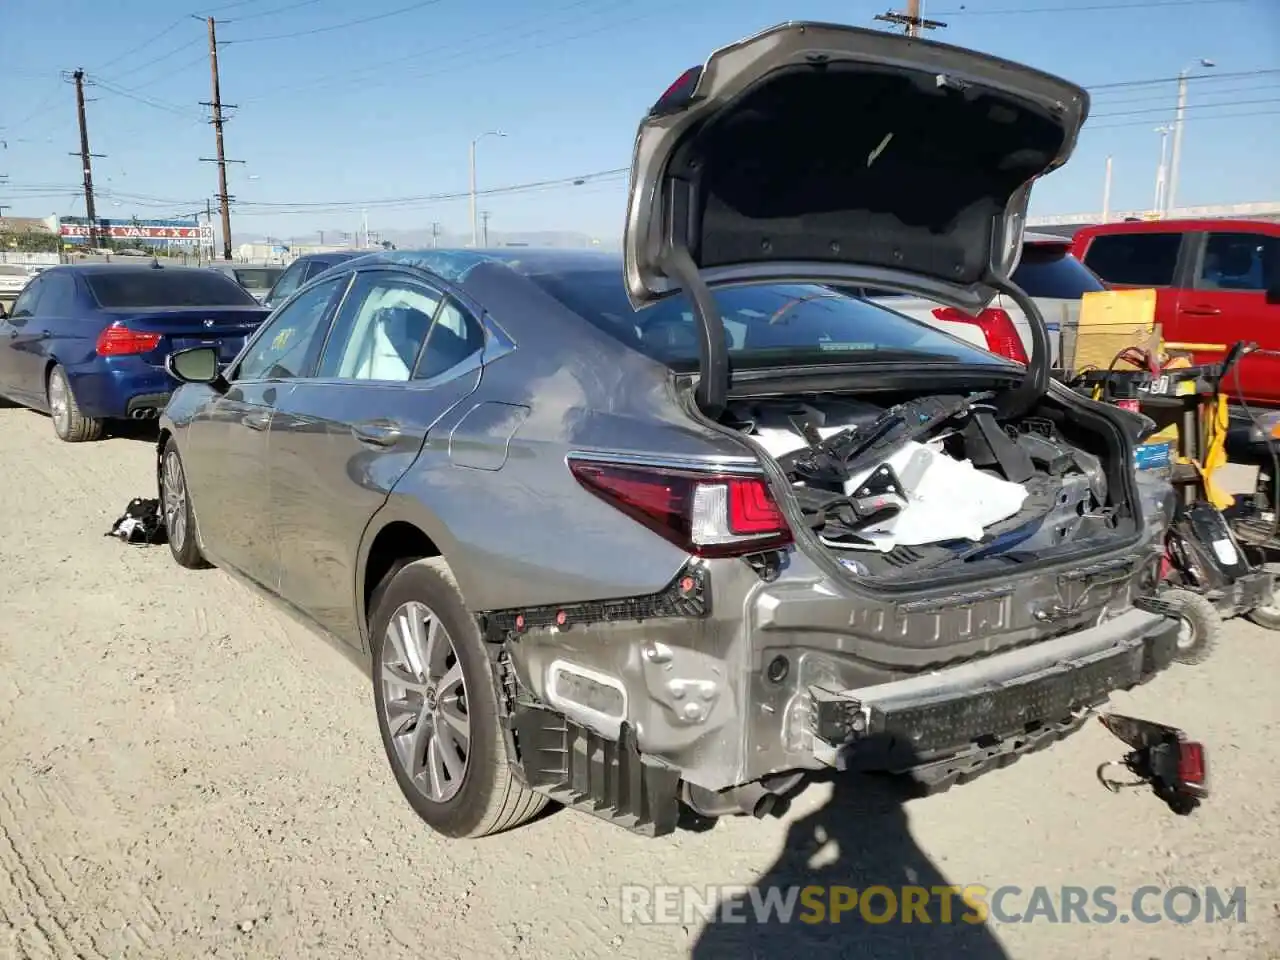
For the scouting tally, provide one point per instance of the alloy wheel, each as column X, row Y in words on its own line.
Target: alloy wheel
column 58, row 405
column 424, row 700
column 175, row 500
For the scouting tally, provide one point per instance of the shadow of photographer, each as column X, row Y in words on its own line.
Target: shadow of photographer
column 857, row 857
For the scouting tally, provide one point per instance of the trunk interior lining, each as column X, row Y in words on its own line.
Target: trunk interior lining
column 914, row 179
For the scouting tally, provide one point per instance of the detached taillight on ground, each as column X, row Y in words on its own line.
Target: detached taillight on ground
column 118, row 340
column 720, row 515
column 997, row 327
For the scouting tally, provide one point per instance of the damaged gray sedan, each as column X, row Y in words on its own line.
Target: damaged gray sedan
column 675, row 529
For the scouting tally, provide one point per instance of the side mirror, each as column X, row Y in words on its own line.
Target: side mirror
column 194, row 365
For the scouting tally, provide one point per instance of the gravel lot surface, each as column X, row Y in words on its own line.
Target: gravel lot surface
column 184, row 772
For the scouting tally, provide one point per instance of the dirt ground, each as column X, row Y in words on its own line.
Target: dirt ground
column 186, row 773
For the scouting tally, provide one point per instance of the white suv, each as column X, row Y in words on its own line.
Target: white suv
column 1048, row 273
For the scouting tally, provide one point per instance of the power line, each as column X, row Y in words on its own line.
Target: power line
column 272, row 12
column 142, row 67
column 1199, row 76
column 339, row 26
column 526, row 28
column 1190, row 106
column 559, row 40
column 1080, row 8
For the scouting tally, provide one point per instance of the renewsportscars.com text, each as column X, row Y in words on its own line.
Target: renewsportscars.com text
column 973, row 904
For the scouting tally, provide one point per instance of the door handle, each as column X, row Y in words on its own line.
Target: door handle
column 258, row 420
column 1202, row 310
column 377, row 433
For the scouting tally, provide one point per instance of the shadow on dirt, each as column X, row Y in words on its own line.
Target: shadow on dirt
column 860, row 839
column 147, row 431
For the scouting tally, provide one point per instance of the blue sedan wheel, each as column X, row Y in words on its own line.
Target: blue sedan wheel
column 68, row 422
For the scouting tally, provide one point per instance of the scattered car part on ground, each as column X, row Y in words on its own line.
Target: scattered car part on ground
column 1161, row 757
column 658, row 607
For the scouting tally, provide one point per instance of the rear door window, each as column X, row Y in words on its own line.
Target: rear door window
column 1135, row 259
column 1048, row 271
column 1240, row 261
column 147, row 287
column 59, row 296
column 380, row 329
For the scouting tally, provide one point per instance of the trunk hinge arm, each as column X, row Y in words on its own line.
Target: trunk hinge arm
column 713, row 352
column 1036, row 382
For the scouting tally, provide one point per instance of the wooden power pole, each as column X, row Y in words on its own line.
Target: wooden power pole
column 216, row 106
column 86, row 165
column 910, row 19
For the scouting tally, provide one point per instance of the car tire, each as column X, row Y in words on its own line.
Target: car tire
column 69, row 423
column 423, row 691
column 1200, row 626
column 175, row 507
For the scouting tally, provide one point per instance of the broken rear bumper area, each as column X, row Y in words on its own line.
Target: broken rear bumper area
column 626, row 714
column 1007, row 700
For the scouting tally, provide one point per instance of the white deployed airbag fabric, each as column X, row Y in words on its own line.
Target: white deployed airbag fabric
column 947, row 499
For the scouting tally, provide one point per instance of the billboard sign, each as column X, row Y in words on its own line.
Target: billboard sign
column 188, row 232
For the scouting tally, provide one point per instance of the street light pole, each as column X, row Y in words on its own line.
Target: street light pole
column 1161, row 174
column 475, row 224
column 1178, row 120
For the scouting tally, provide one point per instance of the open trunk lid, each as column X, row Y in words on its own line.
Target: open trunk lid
column 823, row 153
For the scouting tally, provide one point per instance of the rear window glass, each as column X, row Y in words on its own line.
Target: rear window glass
column 762, row 323
column 258, row 279
column 1136, row 259
column 149, row 287
column 1049, row 271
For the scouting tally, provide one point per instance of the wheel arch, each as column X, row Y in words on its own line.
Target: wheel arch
column 391, row 541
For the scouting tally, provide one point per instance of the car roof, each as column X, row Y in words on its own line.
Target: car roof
column 120, row 267
column 456, row 264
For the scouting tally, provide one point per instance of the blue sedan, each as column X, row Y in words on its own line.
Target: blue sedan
column 87, row 343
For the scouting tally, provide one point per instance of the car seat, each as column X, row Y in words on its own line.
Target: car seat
column 391, row 349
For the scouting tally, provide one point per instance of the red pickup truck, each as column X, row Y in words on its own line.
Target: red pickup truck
column 1216, row 282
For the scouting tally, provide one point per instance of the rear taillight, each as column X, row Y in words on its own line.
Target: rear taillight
column 1192, row 770
column 118, row 340
column 720, row 515
column 997, row 327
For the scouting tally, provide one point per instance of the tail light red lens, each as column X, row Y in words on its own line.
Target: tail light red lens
column 997, row 327
column 118, row 340
column 708, row 515
column 1191, row 765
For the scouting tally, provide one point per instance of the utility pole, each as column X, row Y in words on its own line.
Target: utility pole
column 484, row 218
column 435, row 234
column 216, row 106
column 77, row 77
column 910, row 19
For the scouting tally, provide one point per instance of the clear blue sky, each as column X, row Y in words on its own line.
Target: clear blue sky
column 386, row 108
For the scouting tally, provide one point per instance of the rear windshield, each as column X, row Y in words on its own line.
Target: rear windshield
column 1049, row 271
column 762, row 323
column 257, row 279
column 149, row 287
